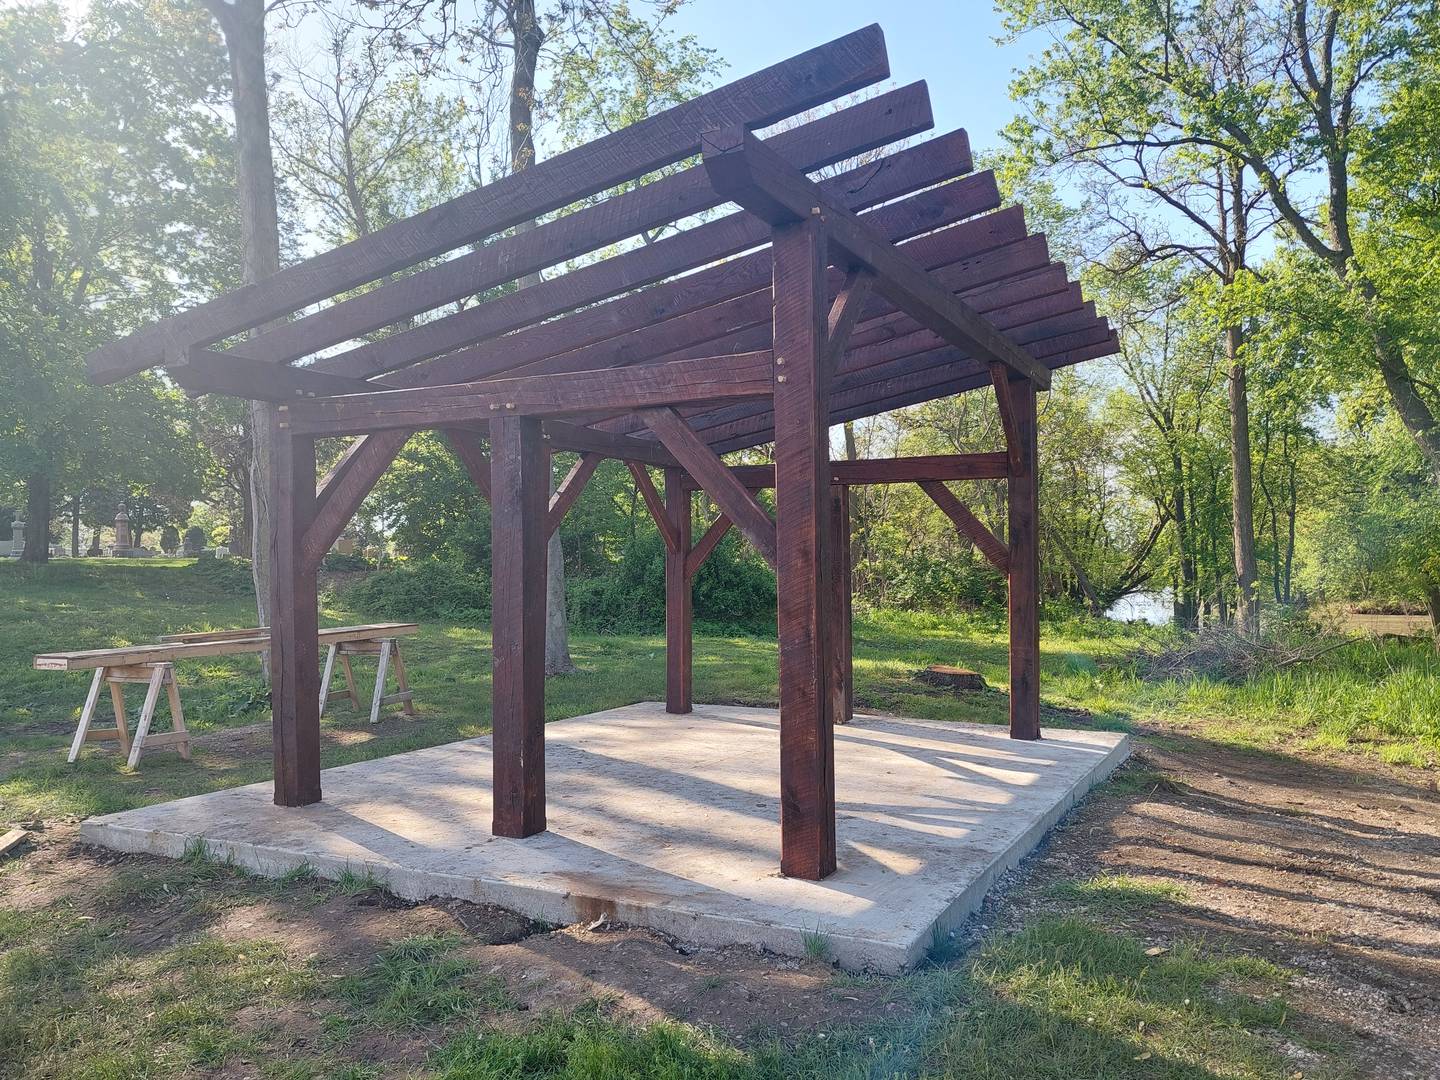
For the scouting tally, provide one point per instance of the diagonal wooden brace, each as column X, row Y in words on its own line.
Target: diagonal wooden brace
column 968, row 524
column 345, row 488
column 715, row 477
column 570, row 489
column 655, row 504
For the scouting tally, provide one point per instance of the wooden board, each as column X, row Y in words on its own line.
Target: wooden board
column 166, row 652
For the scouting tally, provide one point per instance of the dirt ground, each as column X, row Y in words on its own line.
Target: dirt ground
column 1333, row 871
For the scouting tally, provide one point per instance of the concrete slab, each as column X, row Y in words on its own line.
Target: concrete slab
column 670, row 822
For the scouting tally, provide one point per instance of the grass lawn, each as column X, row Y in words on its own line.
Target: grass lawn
column 85, row 991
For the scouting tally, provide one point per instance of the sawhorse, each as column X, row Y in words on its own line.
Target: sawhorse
column 387, row 649
column 154, row 676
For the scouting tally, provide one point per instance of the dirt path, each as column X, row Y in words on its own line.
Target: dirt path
column 1333, row 871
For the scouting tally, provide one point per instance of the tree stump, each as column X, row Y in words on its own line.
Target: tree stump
column 951, row 678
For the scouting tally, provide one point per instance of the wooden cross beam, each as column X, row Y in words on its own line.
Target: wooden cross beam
column 968, row 524
column 715, row 477
column 745, row 171
column 792, row 86
column 205, row 371
column 900, row 470
column 720, row 378
column 656, row 505
column 570, row 489
column 695, row 558
column 349, row 483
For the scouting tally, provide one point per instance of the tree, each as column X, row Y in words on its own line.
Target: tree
column 114, row 191
column 1158, row 191
column 243, row 24
column 1300, row 132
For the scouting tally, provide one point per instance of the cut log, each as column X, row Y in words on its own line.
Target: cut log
column 951, row 678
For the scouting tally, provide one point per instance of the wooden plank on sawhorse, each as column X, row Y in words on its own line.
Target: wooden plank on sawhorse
column 388, row 650
column 155, row 677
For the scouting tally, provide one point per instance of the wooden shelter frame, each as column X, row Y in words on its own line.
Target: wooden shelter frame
column 895, row 281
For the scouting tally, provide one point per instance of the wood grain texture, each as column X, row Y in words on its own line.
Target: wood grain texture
column 743, row 169
column 899, row 470
column 792, row 86
column 341, row 496
column 842, row 680
column 855, row 130
column 679, row 610
column 570, row 489
column 721, row 378
column 715, row 477
column 294, row 623
column 970, row 526
column 655, row 504
column 519, row 490
column 905, row 173
column 706, row 544
column 1024, row 567
column 804, row 618
column 465, row 446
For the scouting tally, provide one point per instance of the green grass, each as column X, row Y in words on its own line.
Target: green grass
column 84, row 996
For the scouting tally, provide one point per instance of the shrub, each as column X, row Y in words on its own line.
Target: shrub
column 226, row 575
column 194, row 539
column 336, row 562
column 169, row 539
column 428, row 589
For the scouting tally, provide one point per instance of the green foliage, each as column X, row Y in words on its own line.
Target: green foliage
column 423, row 589
column 229, row 575
column 339, row 561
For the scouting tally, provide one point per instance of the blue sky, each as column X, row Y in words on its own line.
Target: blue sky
column 950, row 45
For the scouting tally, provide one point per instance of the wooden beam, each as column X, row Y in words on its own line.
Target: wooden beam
column 1000, row 376
column 992, row 280
column 655, row 504
column 845, row 312
column 701, row 551
column 721, row 378
column 802, row 533
column 487, row 354
column 464, row 446
column 237, row 373
column 745, row 171
column 792, row 86
column 570, row 489
column 679, row 611
column 715, row 477
column 341, row 497
column 294, row 623
column 968, row 524
column 520, row 485
column 1024, row 571
column 825, row 141
column 842, row 679
column 900, row 470
column 563, row 436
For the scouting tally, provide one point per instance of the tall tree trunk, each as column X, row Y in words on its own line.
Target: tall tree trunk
column 243, row 24
column 37, row 519
column 526, row 37
column 1242, row 494
column 1187, row 600
column 75, row 527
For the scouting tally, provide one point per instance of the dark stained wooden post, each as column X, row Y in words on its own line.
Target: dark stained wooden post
column 842, row 686
column 1024, row 571
column 294, row 622
column 802, row 533
column 519, row 486
column 679, row 614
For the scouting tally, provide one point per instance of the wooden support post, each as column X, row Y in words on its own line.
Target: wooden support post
column 520, row 490
column 802, row 533
column 842, row 685
column 679, row 631
column 1024, row 565
column 294, row 622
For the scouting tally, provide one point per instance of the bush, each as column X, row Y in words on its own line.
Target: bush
column 227, row 575
column 194, row 539
column 734, row 590
column 337, row 562
column 169, row 539
column 423, row 590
